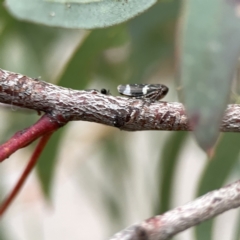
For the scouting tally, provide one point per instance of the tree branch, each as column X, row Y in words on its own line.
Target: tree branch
column 127, row 114
column 63, row 105
column 165, row 226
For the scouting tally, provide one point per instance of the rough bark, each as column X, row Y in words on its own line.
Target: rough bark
column 126, row 114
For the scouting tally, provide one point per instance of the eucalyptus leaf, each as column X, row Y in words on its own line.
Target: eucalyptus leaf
column 209, row 47
column 152, row 36
column 74, row 1
column 215, row 174
column 78, row 15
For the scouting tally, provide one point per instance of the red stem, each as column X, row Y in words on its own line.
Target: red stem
column 43, row 141
column 23, row 138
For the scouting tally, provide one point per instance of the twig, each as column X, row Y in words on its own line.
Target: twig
column 127, row 114
column 165, row 226
column 43, row 141
column 22, row 138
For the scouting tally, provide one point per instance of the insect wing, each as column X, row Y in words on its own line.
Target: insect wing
column 131, row 90
column 151, row 91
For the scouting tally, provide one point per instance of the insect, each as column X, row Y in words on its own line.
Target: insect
column 105, row 91
column 146, row 91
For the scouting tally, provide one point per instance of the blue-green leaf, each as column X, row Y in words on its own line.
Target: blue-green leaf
column 78, row 15
column 216, row 173
column 209, row 49
column 74, row 1
column 153, row 35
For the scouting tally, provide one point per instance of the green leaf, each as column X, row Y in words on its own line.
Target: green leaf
column 209, row 47
column 34, row 43
column 167, row 167
column 78, row 15
column 47, row 161
column 74, row 1
column 216, row 173
column 81, row 67
column 152, row 42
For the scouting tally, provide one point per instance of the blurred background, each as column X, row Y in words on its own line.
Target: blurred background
column 93, row 180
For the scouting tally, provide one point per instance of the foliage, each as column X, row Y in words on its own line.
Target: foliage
column 131, row 170
column 76, row 14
